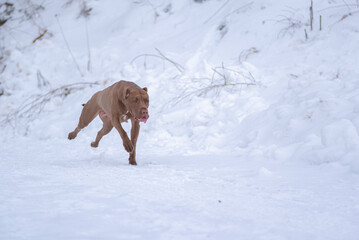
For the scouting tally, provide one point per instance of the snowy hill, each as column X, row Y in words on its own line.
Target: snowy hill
column 254, row 127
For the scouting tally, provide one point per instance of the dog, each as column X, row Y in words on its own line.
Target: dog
column 116, row 104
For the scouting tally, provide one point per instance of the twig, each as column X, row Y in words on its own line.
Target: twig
column 311, row 15
column 41, row 81
column 39, row 37
column 220, row 74
column 246, row 53
column 205, row 90
column 346, row 4
column 292, row 24
column 88, row 47
column 320, row 23
column 68, row 47
column 224, row 81
column 339, row 6
column 240, row 8
column 344, row 17
column 3, row 69
column 179, row 67
column 154, row 10
column 214, row 14
column 145, row 55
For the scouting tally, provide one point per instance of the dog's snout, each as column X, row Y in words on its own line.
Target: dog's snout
column 144, row 111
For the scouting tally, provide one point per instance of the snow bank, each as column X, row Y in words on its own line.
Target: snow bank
column 302, row 104
column 224, row 78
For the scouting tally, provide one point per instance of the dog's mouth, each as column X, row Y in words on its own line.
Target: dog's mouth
column 142, row 116
column 144, row 120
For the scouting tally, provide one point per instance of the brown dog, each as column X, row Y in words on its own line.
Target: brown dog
column 116, row 104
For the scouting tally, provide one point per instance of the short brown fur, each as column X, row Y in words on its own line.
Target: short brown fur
column 116, row 104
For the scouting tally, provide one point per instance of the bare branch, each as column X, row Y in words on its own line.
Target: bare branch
column 68, row 47
column 179, row 67
column 339, row 6
column 222, row 77
column 216, row 12
column 344, row 17
column 35, row 104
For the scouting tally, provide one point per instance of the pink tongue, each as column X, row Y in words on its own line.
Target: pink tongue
column 143, row 120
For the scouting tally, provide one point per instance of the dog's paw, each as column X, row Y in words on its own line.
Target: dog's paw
column 72, row 135
column 94, row 144
column 132, row 160
column 133, row 163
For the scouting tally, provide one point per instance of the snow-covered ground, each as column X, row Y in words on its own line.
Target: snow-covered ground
column 79, row 193
column 253, row 129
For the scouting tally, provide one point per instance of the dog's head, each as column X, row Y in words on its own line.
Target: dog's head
column 137, row 102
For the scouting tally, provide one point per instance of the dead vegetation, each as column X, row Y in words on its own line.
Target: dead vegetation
column 159, row 55
column 222, row 78
column 291, row 22
column 34, row 105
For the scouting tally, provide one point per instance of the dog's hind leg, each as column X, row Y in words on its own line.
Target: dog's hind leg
column 106, row 128
column 89, row 112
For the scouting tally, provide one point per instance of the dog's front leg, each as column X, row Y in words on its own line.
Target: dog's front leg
column 126, row 141
column 135, row 130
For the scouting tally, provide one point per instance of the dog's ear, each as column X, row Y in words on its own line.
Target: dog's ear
column 127, row 93
column 145, row 89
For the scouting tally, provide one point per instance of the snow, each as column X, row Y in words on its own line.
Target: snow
column 274, row 154
column 82, row 193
